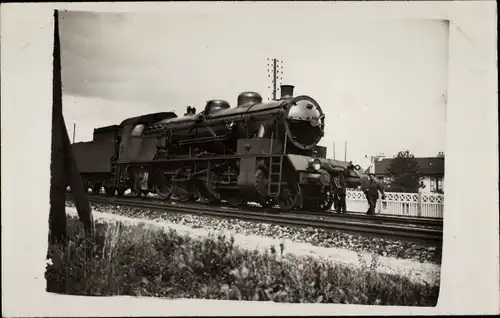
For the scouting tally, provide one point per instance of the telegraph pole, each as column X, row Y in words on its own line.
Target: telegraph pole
column 63, row 168
column 274, row 78
column 334, row 150
column 275, row 72
column 74, row 131
column 345, row 151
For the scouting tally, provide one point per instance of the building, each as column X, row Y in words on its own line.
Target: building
column 431, row 171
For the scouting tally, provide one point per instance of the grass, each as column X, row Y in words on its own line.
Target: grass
column 141, row 260
column 420, row 252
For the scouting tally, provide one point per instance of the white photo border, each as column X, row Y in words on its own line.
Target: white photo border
column 470, row 267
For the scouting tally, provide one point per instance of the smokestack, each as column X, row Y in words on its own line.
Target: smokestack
column 286, row 91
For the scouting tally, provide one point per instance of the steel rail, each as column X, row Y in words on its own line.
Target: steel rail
column 353, row 216
column 368, row 229
column 421, row 221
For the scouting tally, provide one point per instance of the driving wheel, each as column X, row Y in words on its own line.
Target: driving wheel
column 289, row 196
column 204, row 192
column 165, row 187
column 183, row 189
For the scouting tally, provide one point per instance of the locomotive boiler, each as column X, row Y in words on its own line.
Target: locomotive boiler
column 265, row 152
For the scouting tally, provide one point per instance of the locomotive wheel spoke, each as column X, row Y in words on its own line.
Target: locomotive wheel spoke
column 164, row 190
column 184, row 190
column 289, row 196
column 204, row 193
column 200, row 195
column 181, row 192
column 261, row 181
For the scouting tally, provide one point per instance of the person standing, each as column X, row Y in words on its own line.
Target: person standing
column 421, row 188
column 340, row 201
column 371, row 190
column 339, row 197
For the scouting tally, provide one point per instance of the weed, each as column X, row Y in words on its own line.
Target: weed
column 147, row 261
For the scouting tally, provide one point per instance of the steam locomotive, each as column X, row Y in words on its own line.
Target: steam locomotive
column 264, row 152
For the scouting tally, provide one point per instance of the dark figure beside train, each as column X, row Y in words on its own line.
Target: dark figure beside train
column 264, row 152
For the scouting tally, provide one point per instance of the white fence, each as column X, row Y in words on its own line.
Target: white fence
column 402, row 204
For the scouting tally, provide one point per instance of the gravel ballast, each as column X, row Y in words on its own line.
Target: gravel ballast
column 417, row 272
column 383, row 247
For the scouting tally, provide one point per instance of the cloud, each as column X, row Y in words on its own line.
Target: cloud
column 380, row 83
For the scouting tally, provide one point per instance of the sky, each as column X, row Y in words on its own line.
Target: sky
column 381, row 83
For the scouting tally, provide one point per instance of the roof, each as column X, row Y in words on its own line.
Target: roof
column 106, row 129
column 428, row 165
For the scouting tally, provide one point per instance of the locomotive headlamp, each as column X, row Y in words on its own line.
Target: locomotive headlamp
column 355, row 167
column 315, row 164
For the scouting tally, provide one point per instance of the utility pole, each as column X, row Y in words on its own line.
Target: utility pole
column 63, row 168
column 274, row 79
column 345, row 151
column 275, row 72
column 74, row 130
column 334, row 150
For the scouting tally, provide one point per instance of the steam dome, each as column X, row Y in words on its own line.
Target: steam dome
column 249, row 97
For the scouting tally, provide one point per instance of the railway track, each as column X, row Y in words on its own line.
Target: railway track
column 349, row 216
column 367, row 228
column 403, row 220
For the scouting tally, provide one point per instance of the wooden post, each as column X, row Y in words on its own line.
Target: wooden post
column 419, row 205
column 57, row 216
column 63, row 166
column 379, row 206
column 76, row 184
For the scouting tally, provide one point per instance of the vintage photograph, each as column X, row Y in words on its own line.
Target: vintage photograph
column 250, row 156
